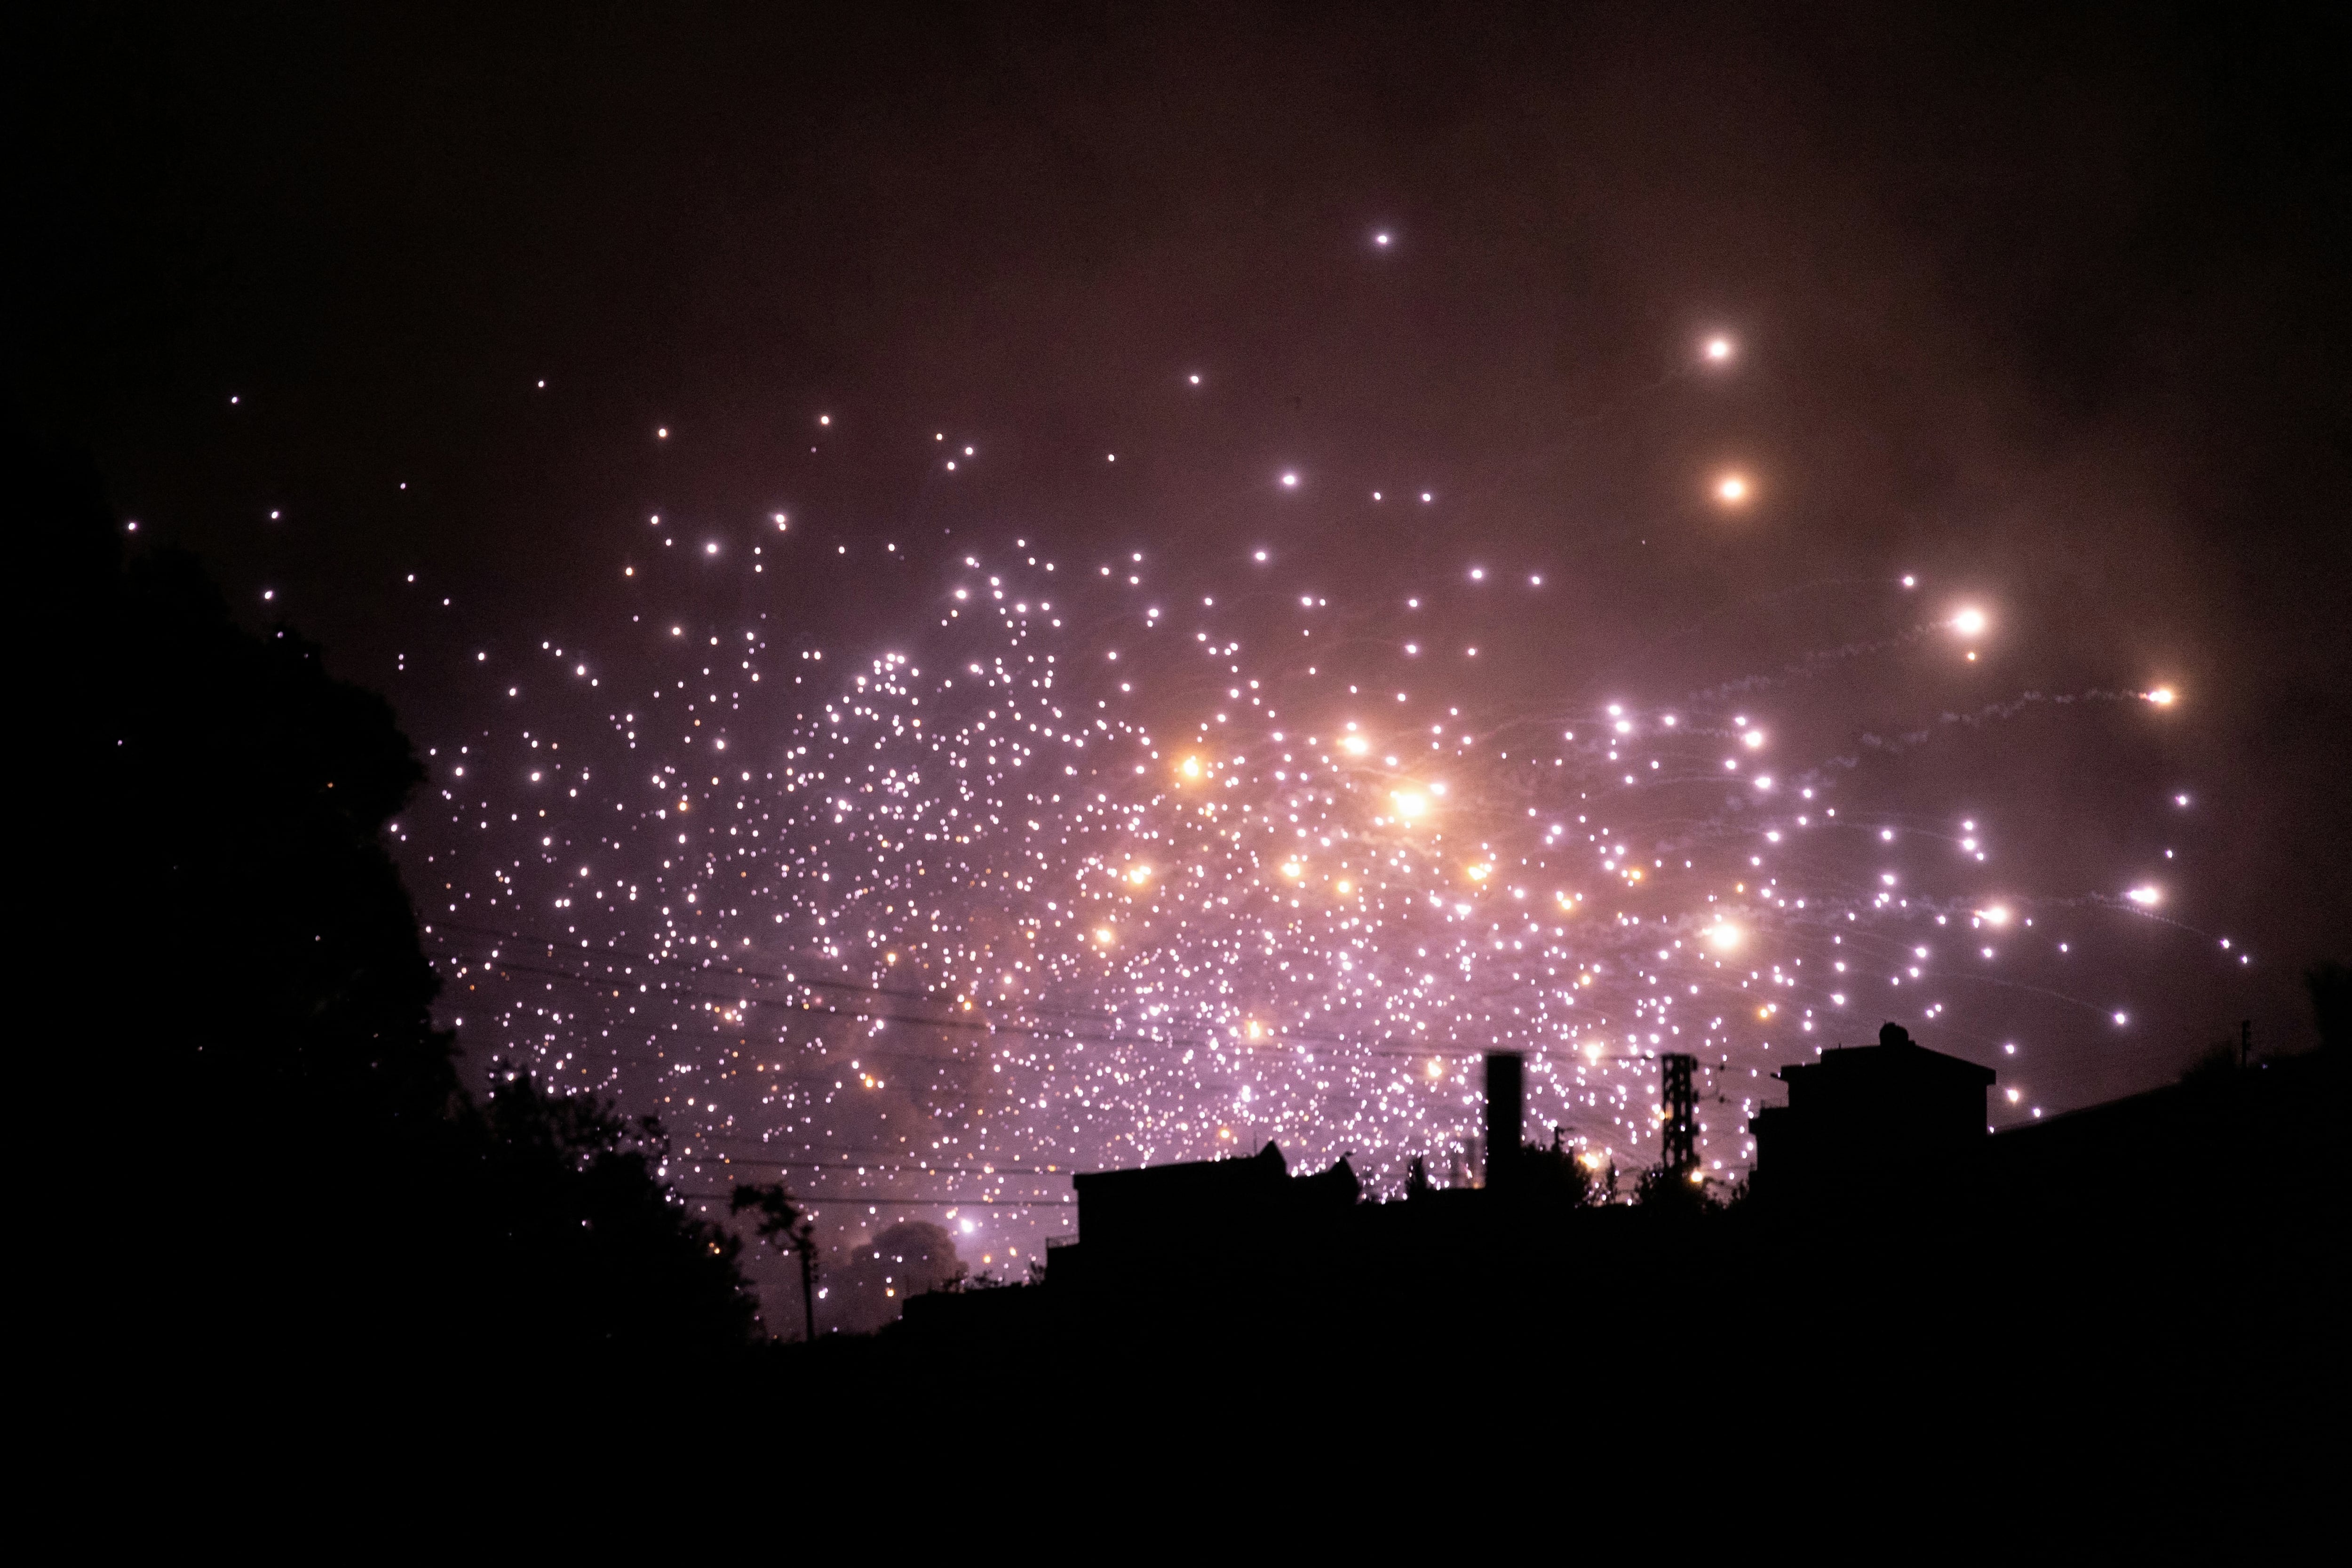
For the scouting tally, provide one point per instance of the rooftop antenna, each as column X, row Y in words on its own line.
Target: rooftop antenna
column 1678, row 1141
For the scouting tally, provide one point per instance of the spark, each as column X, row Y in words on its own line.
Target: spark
column 1121, row 882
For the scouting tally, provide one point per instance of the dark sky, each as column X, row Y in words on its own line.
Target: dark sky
column 2046, row 306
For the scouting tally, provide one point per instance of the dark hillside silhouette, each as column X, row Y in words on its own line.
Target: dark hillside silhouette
column 237, row 1053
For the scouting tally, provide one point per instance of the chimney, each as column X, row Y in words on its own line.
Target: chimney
column 1506, row 1113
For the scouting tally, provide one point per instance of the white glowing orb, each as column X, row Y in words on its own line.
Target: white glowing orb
column 1408, row 802
column 1724, row 936
column 1968, row 623
column 1731, row 488
column 1719, row 349
column 2146, row 898
column 2163, row 697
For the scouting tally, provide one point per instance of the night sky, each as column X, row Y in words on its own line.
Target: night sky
column 1602, row 516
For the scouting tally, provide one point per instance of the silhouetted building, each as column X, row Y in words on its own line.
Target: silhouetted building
column 1143, row 1207
column 1868, row 1114
column 1197, row 1216
column 1507, row 1073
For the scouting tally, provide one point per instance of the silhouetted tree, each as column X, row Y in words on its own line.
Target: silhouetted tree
column 783, row 1225
column 1559, row 1173
column 597, row 1248
column 1662, row 1188
column 238, row 1017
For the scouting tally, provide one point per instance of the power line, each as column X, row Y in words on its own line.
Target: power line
column 975, row 1026
column 853, row 1165
column 1209, row 1042
column 879, row 1199
column 865, row 988
column 856, row 988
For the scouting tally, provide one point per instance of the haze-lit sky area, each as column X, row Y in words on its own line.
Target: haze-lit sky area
column 991, row 591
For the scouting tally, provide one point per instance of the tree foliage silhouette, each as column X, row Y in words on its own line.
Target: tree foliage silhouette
column 783, row 1225
column 239, row 1016
column 1559, row 1173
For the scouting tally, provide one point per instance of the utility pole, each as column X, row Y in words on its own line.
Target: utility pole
column 785, row 1226
column 1678, row 1138
column 804, row 1243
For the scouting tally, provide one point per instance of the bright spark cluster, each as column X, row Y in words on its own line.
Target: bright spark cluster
column 1079, row 864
